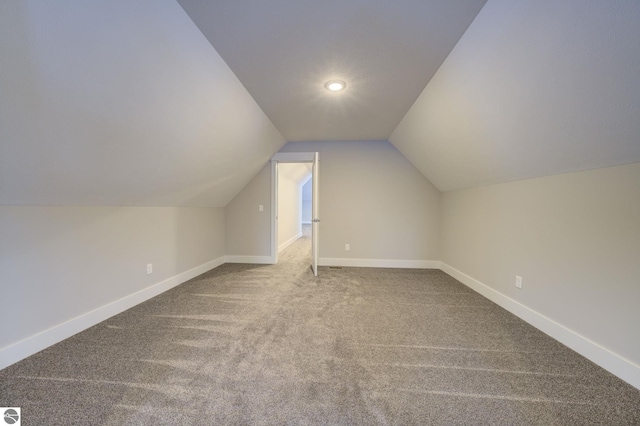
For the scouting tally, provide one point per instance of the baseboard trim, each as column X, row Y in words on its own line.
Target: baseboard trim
column 42, row 340
column 249, row 259
column 379, row 263
column 610, row 361
column 289, row 242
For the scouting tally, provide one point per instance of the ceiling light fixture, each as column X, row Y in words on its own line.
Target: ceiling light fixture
column 335, row 85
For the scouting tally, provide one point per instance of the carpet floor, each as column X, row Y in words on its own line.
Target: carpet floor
column 274, row 345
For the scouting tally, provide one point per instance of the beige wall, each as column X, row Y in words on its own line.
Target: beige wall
column 289, row 209
column 575, row 240
column 248, row 230
column 58, row 263
column 372, row 198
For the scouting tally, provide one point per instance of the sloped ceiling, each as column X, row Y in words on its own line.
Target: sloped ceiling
column 532, row 89
column 121, row 103
column 284, row 51
column 128, row 103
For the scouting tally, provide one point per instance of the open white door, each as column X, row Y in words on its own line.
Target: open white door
column 315, row 221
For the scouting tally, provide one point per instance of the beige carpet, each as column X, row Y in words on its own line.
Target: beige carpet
column 272, row 345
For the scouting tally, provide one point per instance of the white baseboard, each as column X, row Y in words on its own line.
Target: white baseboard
column 610, row 361
column 249, row 259
column 379, row 263
column 32, row 344
column 289, row 242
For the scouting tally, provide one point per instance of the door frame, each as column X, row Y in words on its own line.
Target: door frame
column 285, row 157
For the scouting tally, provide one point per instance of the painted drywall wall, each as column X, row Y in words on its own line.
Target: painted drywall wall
column 533, row 88
column 574, row 240
column 289, row 209
column 372, row 198
column 248, row 230
column 121, row 103
column 58, row 264
column 307, row 202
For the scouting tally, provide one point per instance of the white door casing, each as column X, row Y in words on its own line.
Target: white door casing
column 296, row 157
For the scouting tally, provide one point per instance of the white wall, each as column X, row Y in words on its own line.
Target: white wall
column 574, row 238
column 63, row 269
column 289, row 209
column 307, row 203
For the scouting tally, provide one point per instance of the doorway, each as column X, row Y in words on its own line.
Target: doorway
column 300, row 163
column 291, row 209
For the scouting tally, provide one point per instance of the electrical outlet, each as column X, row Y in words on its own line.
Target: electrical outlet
column 260, row 208
column 149, row 268
column 347, row 247
column 518, row 281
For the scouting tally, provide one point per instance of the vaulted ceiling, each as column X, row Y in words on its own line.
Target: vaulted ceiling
column 141, row 103
column 532, row 89
column 121, row 103
column 284, row 51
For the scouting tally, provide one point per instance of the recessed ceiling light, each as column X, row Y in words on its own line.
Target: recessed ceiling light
column 335, row 85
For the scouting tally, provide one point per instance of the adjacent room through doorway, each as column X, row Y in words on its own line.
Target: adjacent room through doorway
column 293, row 169
column 294, row 210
